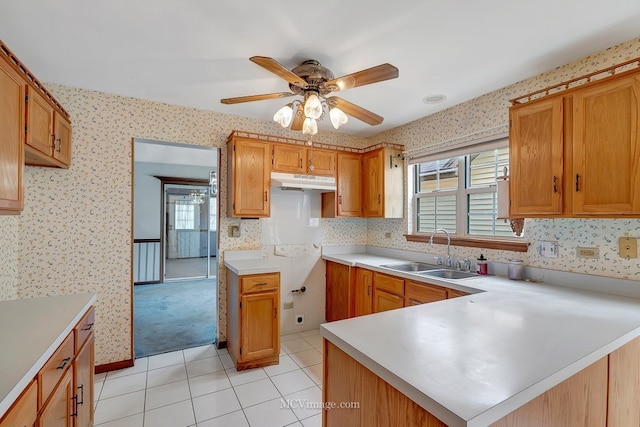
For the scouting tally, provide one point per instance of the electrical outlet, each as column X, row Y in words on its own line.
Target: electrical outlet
column 288, row 305
column 628, row 247
column 299, row 319
column 584, row 252
column 548, row 249
column 234, row 231
column 387, row 235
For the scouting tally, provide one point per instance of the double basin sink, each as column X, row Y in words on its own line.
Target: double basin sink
column 424, row 269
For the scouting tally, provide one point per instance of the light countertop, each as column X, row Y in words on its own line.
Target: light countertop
column 30, row 332
column 472, row 360
column 249, row 262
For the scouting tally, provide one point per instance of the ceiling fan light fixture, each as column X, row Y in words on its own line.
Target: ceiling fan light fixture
column 313, row 106
column 284, row 115
column 338, row 117
column 310, row 126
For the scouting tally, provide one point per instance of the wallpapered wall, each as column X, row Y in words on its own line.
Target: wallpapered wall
column 490, row 111
column 75, row 232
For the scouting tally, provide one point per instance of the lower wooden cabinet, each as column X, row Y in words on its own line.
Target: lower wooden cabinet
column 253, row 319
column 24, row 411
column 388, row 292
column 59, row 409
column 363, row 293
column 61, row 394
column 421, row 293
column 339, row 295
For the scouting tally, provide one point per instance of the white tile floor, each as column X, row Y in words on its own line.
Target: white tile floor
column 200, row 387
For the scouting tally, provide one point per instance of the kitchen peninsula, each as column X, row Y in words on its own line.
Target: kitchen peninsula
column 474, row 360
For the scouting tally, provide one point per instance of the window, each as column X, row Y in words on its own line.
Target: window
column 185, row 216
column 459, row 194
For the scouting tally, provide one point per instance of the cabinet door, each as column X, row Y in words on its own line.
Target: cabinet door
column 372, row 184
column 25, row 410
column 12, row 93
column 338, row 291
column 83, row 367
column 62, row 140
column 259, row 322
column 323, row 162
column 289, row 158
column 606, row 151
column 383, row 301
column 57, row 412
column 535, row 158
column 39, row 122
column 251, row 178
column 363, row 292
column 349, row 185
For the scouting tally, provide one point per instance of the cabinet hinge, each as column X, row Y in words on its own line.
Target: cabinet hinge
column 240, row 304
column 26, row 98
column 234, row 147
column 240, row 350
column 509, row 123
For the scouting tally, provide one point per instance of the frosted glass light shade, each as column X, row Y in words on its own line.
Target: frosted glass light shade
column 313, row 107
column 309, row 127
column 284, row 115
column 338, row 117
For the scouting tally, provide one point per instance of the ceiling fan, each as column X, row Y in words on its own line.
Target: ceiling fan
column 314, row 83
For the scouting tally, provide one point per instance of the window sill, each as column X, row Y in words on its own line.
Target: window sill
column 474, row 242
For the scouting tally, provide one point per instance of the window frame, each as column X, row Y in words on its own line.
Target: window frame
column 461, row 237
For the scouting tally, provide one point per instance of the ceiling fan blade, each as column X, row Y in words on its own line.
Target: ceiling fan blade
column 356, row 111
column 365, row 77
column 278, row 69
column 298, row 118
column 250, row 98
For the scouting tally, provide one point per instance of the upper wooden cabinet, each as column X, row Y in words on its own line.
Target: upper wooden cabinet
column 349, row 185
column 382, row 189
column 249, row 178
column 606, row 150
column 288, row 158
column 12, row 119
column 576, row 153
column 321, row 162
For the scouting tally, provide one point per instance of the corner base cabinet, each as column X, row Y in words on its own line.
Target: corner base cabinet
column 253, row 319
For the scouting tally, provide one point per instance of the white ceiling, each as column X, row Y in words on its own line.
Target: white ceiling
column 194, row 52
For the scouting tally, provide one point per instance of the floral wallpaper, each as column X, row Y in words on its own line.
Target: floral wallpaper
column 75, row 232
column 490, row 111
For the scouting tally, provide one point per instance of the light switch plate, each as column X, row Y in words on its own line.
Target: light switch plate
column 548, row 249
column 628, row 247
column 587, row 252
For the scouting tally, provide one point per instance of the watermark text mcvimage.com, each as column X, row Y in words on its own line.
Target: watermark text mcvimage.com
column 312, row 404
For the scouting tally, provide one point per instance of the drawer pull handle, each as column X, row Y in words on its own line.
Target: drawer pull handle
column 261, row 284
column 64, row 363
column 81, row 401
column 555, row 184
column 88, row 327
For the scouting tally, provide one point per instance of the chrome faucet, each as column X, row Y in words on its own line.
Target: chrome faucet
column 449, row 260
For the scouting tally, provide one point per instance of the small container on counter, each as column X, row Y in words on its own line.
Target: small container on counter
column 516, row 269
column 482, row 265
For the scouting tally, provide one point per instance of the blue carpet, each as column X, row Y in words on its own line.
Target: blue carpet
column 174, row 316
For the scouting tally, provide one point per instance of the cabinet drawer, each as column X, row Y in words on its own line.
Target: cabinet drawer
column 259, row 282
column 424, row 292
column 24, row 411
column 388, row 283
column 84, row 328
column 55, row 368
column 454, row 293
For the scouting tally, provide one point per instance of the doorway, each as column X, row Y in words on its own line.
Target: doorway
column 175, row 246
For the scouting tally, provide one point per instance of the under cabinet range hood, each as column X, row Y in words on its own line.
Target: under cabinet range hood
column 290, row 181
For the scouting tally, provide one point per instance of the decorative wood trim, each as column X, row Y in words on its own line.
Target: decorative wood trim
column 114, row 366
column 473, row 242
column 293, row 141
column 579, row 81
column 31, row 79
